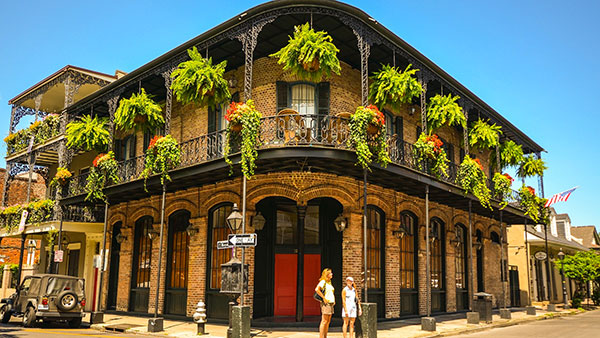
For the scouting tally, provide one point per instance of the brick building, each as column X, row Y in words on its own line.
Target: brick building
column 306, row 178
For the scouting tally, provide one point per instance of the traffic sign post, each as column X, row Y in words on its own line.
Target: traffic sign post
column 224, row 245
column 242, row 240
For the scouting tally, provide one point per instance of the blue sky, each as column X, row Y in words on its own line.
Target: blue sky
column 535, row 62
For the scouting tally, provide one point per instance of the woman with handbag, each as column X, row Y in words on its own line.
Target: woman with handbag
column 350, row 306
column 325, row 290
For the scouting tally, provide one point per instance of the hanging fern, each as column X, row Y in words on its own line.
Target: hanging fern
column 531, row 167
column 443, row 110
column 139, row 112
column 483, row 135
column 309, row 54
column 472, row 179
column 511, row 154
column 199, row 81
column 394, row 88
column 88, row 134
column 502, row 188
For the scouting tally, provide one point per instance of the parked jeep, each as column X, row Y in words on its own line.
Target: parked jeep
column 47, row 297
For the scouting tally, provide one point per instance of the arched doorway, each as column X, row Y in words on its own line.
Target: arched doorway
column 409, row 294
column 296, row 243
column 113, row 280
column 177, row 263
column 438, row 266
column 140, row 269
column 462, row 280
column 479, row 253
column 376, row 257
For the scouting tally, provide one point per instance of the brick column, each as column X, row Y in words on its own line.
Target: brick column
column 196, row 288
column 125, row 263
column 392, row 270
column 352, row 249
column 421, row 261
column 450, row 270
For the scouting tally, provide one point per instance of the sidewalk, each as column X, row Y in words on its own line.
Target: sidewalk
column 447, row 325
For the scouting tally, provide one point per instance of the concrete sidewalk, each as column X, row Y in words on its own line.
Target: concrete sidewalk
column 447, row 325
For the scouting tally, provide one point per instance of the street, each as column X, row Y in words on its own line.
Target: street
column 15, row 329
column 583, row 325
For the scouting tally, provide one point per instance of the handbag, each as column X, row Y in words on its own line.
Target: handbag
column 318, row 297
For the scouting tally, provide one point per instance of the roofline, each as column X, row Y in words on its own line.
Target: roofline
column 53, row 75
column 354, row 11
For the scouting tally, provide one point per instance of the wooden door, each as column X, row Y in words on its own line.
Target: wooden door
column 113, row 280
column 286, row 267
column 312, row 272
column 177, row 264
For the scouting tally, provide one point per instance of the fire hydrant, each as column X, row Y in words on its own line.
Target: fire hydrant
column 200, row 317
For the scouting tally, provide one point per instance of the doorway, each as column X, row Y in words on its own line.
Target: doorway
column 113, row 280
column 139, row 296
column 177, row 264
column 479, row 253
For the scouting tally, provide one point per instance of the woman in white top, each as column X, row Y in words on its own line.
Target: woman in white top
column 350, row 306
column 325, row 290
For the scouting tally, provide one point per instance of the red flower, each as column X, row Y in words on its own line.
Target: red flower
column 379, row 117
column 478, row 163
column 232, row 111
column 153, row 141
column 97, row 159
column 531, row 190
column 435, row 142
column 509, row 177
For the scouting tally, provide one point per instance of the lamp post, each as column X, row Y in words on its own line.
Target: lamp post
column 561, row 256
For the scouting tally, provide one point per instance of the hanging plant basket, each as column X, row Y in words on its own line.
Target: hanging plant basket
column 236, row 127
column 443, row 110
column 162, row 155
column 61, row 178
column 483, row 135
column 88, row 133
column 367, row 136
column 139, row 112
column 428, row 152
column 104, row 171
column 372, row 129
column 394, row 88
column 472, row 179
column 309, row 54
column 244, row 120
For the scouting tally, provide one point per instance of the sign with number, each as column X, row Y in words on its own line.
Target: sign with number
column 224, row 245
column 242, row 240
column 540, row 256
column 58, row 256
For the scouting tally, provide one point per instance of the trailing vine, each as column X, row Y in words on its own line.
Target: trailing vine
column 39, row 211
column 309, row 54
column 51, row 237
column 483, row 135
column 88, row 134
column 472, row 179
column 393, row 87
column 61, row 178
column 198, row 80
column 244, row 121
column 364, row 119
column 531, row 166
column 502, row 188
column 104, row 171
column 443, row 110
column 162, row 155
column 139, row 112
column 428, row 152
column 531, row 203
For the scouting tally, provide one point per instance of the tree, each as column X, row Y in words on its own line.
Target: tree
column 583, row 267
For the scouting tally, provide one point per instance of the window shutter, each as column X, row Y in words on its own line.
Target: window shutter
column 212, row 120
column 235, row 97
column 419, row 130
column 324, row 98
column 282, row 95
column 462, row 155
column 400, row 128
column 132, row 143
column 451, row 153
column 118, row 149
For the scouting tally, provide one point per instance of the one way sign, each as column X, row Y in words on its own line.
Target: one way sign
column 242, row 240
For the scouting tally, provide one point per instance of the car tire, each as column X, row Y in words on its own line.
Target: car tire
column 66, row 300
column 4, row 314
column 29, row 317
column 75, row 323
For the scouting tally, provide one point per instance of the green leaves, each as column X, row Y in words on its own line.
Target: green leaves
column 394, row 88
column 583, row 266
column 309, row 54
column 531, row 166
column 511, row 154
column 88, row 134
column 139, row 112
column 443, row 110
column 534, row 205
column 473, row 180
column 105, row 169
column 162, row 155
column 428, row 151
column 249, row 118
column 364, row 145
column 484, row 135
column 502, row 188
column 199, row 81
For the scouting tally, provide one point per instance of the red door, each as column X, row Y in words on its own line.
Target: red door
column 286, row 267
column 312, row 273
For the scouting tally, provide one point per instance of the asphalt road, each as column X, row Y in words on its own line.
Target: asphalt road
column 14, row 329
column 580, row 326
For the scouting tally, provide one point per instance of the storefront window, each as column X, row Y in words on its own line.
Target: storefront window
column 311, row 225
column 374, row 246
column 437, row 254
column 407, row 252
column 142, row 253
column 461, row 281
column 218, row 232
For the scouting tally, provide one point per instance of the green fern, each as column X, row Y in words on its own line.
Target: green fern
column 88, row 134
column 303, row 48
column 511, row 154
column 531, row 167
column 443, row 110
column 484, row 135
column 199, row 81
column 139, row 112
column 394, row 88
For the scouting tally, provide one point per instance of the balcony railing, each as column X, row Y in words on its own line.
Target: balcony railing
column 71, row 213
column 280, row 132
column 40, row 131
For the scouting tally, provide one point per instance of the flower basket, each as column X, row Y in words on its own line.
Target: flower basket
column 367, row 136
column 372, row 129
column 244, row 120
column 139, row 112
column 61, row 178
column 502, row 187
column 472, row 179
column 393, row 88
column 162, row 155
column 104, row 170
column 428, row 151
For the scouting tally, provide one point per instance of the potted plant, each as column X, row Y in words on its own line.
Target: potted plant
column 104, row 170
column 40, row 211
column 61, row 178
column 393, row 87
column 502, row 187
column 162, row 155
column 309, row 54
column 511, row 154
column 443, row 110
column 531, row 166
column 472, row 179
column 45, row 129
column 244, row 122
column 530, row 202
column 367, row 136
column 198, row 80
column 484, row 135
column 88, row 133
column 428, row 152
column 139, row 112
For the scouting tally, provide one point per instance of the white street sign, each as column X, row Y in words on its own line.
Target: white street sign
column 224, row 245
column 242, row 240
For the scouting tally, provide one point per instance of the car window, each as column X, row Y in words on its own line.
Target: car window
column 25, row 285
column 57, row 285
column 34, row 287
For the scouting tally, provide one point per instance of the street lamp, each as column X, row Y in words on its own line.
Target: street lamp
column 340, row 223
column 561, row 256
column 234, row 220
column 400, row 232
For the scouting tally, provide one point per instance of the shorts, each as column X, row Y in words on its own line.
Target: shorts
column 327, row 309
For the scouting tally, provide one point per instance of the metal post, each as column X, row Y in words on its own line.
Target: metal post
column 243, row 231
column 102, row 257
column 502, row 262
column 548, row 279
column 470, row 252
column 427, row 254
column 564, row 288
column 23, row 236
column 366, row 286
column 528, row 264
column 160, row 248
column 58, row 243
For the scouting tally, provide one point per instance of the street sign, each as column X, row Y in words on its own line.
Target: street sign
column 58, row 256
column 540, row 255
column 23, row 220
column 242, row 240
column 224, row 245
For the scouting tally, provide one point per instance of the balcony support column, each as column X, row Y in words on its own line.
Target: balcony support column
column 166, row 74
column 466, row 133
column 423, row 106
column 470, row 253
column 112, row 108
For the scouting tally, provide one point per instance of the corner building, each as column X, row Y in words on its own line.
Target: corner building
column 305, row 178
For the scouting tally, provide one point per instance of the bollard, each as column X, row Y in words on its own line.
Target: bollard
column 472, row 317
column 367, row 322
column 505, row 314
column 530, row 310
column 428, row 324
column 200, row 318
column 551, row 307
column 240, row 316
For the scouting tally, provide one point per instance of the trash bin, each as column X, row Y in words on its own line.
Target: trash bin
column 482, row 303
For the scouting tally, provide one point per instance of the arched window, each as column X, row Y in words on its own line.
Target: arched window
column 374, row 247
column 218, row 231
column 141, row 267
column 408, row 261
column 495, row 237
column 437, row 272
column 462, row 301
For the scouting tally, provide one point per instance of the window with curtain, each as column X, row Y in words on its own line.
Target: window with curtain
column 407, row 252
column 303, row 98
column 218, row 232
column 437, row 254
column 142, row 253
column 461, row 254
column 374, row 246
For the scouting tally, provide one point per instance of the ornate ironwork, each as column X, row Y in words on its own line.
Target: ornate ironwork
column 166, row 74
column 18, row 112
column 424, row 106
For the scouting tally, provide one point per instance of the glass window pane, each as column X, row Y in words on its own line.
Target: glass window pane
column 303, row 98
column 287, row 224
column 311, row 225
column 374, row 221
column 407, row 254
column 219, row 232
column 437, row 255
